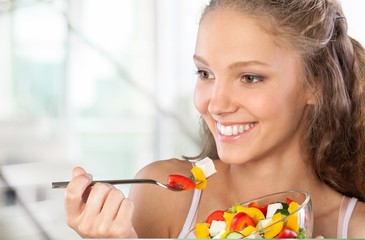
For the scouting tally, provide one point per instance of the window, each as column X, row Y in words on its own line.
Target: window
column 115, row 76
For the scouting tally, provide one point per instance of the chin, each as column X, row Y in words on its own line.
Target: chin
column 231, row 158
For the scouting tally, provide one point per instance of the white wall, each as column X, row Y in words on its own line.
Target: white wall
column 354, row 13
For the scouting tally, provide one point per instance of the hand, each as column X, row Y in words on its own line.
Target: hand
column 100, row 211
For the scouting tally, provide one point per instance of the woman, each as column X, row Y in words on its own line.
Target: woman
column 281, row 92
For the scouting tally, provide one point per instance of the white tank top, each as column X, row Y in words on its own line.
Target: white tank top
column 346, row 209
column 190, row 221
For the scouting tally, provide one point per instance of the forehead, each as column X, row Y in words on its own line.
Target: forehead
column 235, row 36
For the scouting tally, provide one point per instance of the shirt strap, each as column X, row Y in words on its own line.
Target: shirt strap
column 346, row 209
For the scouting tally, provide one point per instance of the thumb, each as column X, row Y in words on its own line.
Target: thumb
column 77, row 171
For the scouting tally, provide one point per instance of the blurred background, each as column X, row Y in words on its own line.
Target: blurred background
column 105, row 84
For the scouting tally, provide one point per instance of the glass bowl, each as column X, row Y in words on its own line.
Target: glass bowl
column 297, row 216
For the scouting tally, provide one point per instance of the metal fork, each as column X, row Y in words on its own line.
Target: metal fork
column 125, row 181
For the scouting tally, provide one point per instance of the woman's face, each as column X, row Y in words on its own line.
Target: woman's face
column 248, row 90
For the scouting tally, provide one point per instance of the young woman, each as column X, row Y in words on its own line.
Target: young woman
column 281, row 92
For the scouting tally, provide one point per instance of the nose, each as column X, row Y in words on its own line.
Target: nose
column 222, row 99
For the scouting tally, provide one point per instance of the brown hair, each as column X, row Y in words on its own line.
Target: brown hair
column 334, row 68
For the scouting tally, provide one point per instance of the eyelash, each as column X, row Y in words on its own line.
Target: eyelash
column 252, row 79
column 247, row 78
column 201, row 73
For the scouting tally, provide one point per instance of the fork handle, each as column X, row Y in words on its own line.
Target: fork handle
column 113, row 182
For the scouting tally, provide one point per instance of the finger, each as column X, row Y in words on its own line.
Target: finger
column 105, row 226
column 112, row 204
column 77, row 171
column 122, row 224
column 96, row 200
column 75, row 193
column 125, row 212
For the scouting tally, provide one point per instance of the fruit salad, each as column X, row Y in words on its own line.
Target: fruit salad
column 200, row 172
column 275, row 220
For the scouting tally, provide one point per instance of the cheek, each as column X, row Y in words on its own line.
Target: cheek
column 266, row 103
column 287, row 103
column 201, row 98
column 260, row 105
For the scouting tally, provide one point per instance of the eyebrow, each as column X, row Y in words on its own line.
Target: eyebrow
column 235, row 64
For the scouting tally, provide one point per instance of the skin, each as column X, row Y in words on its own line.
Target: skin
column 244, row 77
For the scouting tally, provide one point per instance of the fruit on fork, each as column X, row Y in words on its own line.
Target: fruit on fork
column 201, row 171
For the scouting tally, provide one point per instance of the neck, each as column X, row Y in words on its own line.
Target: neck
column 262, row 177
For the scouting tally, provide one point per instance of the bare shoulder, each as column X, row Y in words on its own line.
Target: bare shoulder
column 159, row 170
column 356, row 225
column 155, row 214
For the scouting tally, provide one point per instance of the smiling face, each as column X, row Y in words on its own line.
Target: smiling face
column 249, row 90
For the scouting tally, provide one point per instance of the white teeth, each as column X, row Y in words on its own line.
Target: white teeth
column 241, row 128
column 233, row 129
column 228, row 131
column 225, row 130
column 221, row 128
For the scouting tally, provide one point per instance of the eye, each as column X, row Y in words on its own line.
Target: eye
column 204, row 74
column 251, row 78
